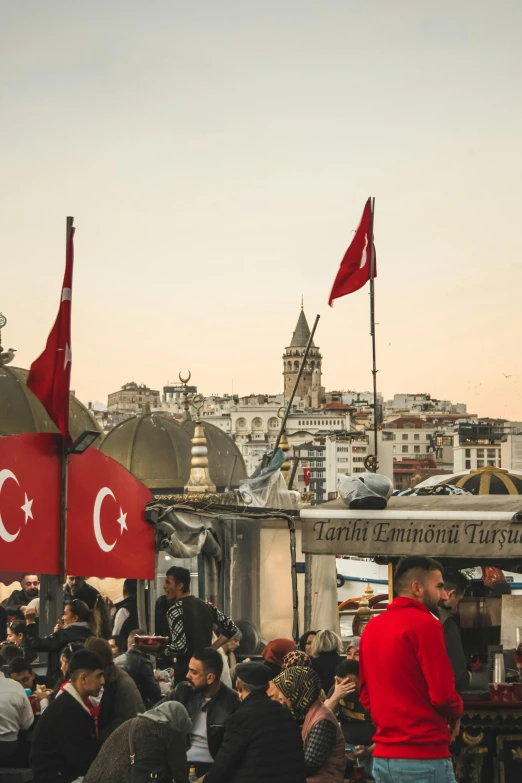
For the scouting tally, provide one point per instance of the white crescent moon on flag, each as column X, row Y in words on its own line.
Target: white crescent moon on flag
column 9, row 537
column 100, row 497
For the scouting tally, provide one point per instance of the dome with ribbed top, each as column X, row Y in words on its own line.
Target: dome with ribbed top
column 153, row 448
column 22, row 412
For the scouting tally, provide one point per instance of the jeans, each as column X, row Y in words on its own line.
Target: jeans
column 413, row 771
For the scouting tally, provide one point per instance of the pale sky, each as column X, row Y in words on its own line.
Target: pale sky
column 217, row 156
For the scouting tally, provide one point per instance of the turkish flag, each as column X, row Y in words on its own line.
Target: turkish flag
column 30, row 503
column 355, row 271
column 306, row 476
column 107, row 534
column 50, row 375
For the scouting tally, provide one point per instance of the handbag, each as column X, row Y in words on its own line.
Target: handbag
column 142, row 771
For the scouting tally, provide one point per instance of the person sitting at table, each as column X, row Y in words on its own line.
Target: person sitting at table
column 21, row 670
column 138, row 665
column 64, row 742
column 75, row 626
column 16, row 633
column 17, row 602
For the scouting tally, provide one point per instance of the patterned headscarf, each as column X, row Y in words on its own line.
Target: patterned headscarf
column 302, row 687
column 276, row 650
column 296, row 658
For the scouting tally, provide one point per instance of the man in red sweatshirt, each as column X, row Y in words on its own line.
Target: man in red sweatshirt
column 407, row 683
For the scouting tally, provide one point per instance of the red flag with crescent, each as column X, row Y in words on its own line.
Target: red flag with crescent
column 107, row 534
column 50, row 375
column 30, row 503
column 355, row 270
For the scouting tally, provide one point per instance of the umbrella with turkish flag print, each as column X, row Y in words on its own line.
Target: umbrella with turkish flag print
column 30, row 503
column 107, row 534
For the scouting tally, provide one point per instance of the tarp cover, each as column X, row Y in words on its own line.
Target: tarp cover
column 183, row 535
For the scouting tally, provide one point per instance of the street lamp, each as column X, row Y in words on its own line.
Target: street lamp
column 83, row 441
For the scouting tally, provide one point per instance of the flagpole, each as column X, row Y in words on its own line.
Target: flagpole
column 372, row 326
column 64, row 459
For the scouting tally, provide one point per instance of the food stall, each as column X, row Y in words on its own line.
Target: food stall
column 463, row 531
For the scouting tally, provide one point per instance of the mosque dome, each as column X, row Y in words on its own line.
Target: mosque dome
column 488, row 481
column 21, row 412
column 225, row 462
column 157, row 450
column 154, row 448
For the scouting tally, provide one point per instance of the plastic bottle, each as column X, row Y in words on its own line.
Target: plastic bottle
column 192, row 774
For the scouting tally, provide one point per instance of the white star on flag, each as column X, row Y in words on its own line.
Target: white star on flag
column 27, row 508
column 68, row 356
column 122, row 521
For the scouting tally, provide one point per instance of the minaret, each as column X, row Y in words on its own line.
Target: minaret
column 292, row 360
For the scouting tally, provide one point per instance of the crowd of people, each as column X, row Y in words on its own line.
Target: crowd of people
column 384, row 705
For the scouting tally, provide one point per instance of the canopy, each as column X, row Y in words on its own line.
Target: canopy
column 463, row 527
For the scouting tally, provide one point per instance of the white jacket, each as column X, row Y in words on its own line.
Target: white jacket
column 15, row 710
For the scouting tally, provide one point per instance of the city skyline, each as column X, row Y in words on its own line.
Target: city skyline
column 217, row 160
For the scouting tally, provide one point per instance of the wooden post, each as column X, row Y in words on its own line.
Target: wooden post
column 390, row 582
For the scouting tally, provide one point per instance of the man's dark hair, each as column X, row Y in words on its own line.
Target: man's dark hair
column 181, row 576
column 29, row 573
column 8, row 653
column 211, row 659
column 455, row 580
column 419, row 567
column 130, row 586
column 84, row 661
column 18, row 665
column 344, row 668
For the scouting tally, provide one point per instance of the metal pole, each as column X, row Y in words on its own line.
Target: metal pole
column 372, row 323
column 308, row 593
column 301, row 368
column 64, row 457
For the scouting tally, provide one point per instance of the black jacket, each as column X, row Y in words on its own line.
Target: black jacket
column 131, row 623
column 219, row 709
column 55, row 642
column 455, row 650
column 262, row 744
column 325, row 665
column 138, row 665
column 64, row 743
column 17, row 599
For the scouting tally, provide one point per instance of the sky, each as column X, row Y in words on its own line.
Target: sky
column 217, row 156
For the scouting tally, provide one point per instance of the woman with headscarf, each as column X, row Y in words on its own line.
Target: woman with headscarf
column 352, row 648
column 327, row 652
column 274, row 653
column 160, row 741
column 323, row 741
column 296, row 658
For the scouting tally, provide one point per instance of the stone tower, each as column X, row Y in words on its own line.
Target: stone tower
column 309, row 387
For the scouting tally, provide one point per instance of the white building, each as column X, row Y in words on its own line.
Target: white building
column 477, row 445
column 421, row 403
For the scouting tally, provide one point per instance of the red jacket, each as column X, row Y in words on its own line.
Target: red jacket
column 407, row 682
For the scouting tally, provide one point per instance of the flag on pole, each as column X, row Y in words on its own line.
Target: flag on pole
column 355, row 270
column 50, row 375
